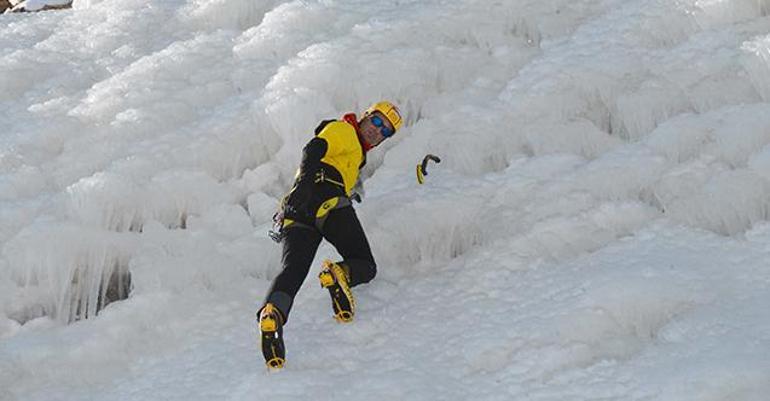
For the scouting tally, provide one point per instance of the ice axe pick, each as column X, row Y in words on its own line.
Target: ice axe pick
column 422, row 167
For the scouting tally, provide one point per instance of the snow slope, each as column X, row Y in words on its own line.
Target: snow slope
column 597, row 228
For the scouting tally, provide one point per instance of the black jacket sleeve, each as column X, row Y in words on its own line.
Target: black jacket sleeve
column 312, row 154
column 300, row 202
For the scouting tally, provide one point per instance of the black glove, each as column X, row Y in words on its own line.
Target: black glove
column 357, row 193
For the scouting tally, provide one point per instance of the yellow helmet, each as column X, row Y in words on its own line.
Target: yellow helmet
column 389, row 110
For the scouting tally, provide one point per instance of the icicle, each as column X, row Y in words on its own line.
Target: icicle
column 756, row 60
column 75, row 268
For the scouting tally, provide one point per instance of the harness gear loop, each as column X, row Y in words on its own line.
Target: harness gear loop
column 330, row 204
column 320, row 177
column 280, row 223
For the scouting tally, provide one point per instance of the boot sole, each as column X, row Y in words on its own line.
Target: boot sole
column 343, row 303
column 272, row 344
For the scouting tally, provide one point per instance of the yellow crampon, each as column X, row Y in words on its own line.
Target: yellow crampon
column 334, row 278
column 271, row 335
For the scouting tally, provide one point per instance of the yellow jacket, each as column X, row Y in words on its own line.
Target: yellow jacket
column 343, row 151
column 330, row 166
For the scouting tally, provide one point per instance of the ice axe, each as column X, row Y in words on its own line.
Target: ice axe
column 422, row 167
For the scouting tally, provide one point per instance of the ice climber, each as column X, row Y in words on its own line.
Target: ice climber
column 319, row 207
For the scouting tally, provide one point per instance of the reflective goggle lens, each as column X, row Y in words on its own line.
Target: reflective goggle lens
column 385, row 131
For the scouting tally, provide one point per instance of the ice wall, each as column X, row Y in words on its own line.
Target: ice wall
column 603, row 192
column 590, row 116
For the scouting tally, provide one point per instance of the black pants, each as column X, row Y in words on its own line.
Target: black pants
column 343, row 230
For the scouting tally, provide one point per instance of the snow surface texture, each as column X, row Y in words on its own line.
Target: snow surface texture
column 597, row 228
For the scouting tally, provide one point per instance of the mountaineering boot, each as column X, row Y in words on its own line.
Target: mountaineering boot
column 334, row 278
column 271, row 334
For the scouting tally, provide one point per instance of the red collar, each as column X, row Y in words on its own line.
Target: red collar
column 351, row 119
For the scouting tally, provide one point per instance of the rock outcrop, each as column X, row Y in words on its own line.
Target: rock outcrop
column 19, row 6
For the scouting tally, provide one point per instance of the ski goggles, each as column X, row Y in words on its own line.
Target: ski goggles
column 379, row 123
